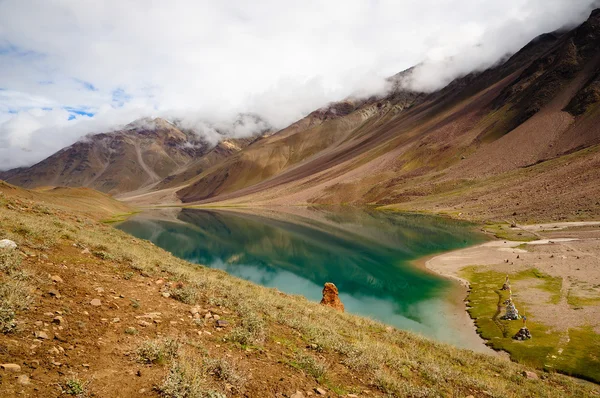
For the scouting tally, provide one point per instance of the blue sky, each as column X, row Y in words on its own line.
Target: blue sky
column 69, row 68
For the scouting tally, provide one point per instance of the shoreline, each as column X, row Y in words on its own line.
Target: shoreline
column 553, row 253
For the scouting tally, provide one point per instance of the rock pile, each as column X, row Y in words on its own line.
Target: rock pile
column 522, row 334
column 506, row 285
column 512, row 314
column 331, row 297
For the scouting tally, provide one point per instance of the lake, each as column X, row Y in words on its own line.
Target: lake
column 368, row 254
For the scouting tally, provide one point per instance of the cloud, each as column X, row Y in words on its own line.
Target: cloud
column 69, row 68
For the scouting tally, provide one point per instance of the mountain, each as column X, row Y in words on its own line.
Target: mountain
column 141, row 155
column 520, row 139
column 527, row 125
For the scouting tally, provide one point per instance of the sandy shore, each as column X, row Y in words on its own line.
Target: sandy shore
column 570, row 251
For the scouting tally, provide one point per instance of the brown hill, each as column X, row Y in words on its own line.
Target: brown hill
column 508, row 122
column 137, row 157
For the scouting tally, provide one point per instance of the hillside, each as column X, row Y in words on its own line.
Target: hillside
column 91, row 311
column 498, row 134
column 140, row 156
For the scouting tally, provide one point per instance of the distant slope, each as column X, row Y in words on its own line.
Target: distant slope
column 139, row 156
column 94, row 204
column 538, row 105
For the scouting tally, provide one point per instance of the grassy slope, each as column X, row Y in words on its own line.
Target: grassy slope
column 273, row 343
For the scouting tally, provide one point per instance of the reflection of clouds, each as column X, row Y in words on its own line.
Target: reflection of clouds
column 433, row 315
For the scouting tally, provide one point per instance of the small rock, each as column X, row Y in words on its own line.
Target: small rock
column 48, row 314
column 208, row 315
column 24, row 380
column 40, row 334
column 99, row 289
column 166, row 294
column 11, row 367
column 530, row 375
column 298, row 394
column 222, row 324
column 39, row 324
column 144, row 323
column 54, row 293
column 96, row 303
column 85, row 251
column 216, row 317
column 85, row 365
column 352, row 396
column 58, row 320
column 53, row 351
column 56, row 278
column 320, row 391
column 116, row 320
column 7, row 244
column 195, row 310
column 470, row 396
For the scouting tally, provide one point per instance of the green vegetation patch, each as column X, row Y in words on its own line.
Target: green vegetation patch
column 506, row 232
column 576, row 353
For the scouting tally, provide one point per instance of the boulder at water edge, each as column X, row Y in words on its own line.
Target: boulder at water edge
column 331, row 297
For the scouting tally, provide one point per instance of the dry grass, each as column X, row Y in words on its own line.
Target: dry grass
column 396, row 362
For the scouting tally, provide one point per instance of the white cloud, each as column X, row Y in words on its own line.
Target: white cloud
column 206, row 60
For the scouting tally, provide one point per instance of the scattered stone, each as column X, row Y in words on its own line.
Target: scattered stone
column 96, row 303
column 7, row 244
column 116, row 320
column 85, row 365
column 216, row 317
column 23, row 380
column 85, row 251
column 59, row 320
column 297, row 394
column 194, row 310
column 99, row 289
column 53, row 351
column 39, row 324
column 48, row 314
column 11, row 367
column 56, row 278
column 331, row 297
column 530, row 375
column 208, row 315
column 40, row 334
column 320, row 391
column 522, row 334
column 54, row 293
column 352, row 396
column 166, row 294
column 144, row 323
column 222, row 324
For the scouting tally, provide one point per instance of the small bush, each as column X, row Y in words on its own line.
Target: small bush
column 311, row 365
column 185, row 294
column 221, row 369
column 251, row 331
column 10, row 261
column 187, row 379
column 76, row 387
column 158, row 351
column 7, row 320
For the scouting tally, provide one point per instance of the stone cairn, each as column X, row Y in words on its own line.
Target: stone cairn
column 506, row 285
column 331, row 297
column 512, row 314
column 523, row 333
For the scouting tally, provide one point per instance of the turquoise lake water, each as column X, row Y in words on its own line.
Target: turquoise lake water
column 368, row 254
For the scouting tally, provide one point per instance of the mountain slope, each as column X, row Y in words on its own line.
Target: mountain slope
column 137, row 157
column 540, row 104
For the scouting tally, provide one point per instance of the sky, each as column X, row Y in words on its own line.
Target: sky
column 73, row 67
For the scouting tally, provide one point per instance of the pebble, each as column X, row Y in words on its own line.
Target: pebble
column 56, row 278
column 40, row 334
column 11, row 367
column 297, row 394
column 530, row 375
column 7, row 244
column 216, row 317
column 96, row 303
column 54, row 293
column 58, row 320
column 320, row 391
column 144, row 323
column 166, row 294
column 24, row 380
column 222, row 324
